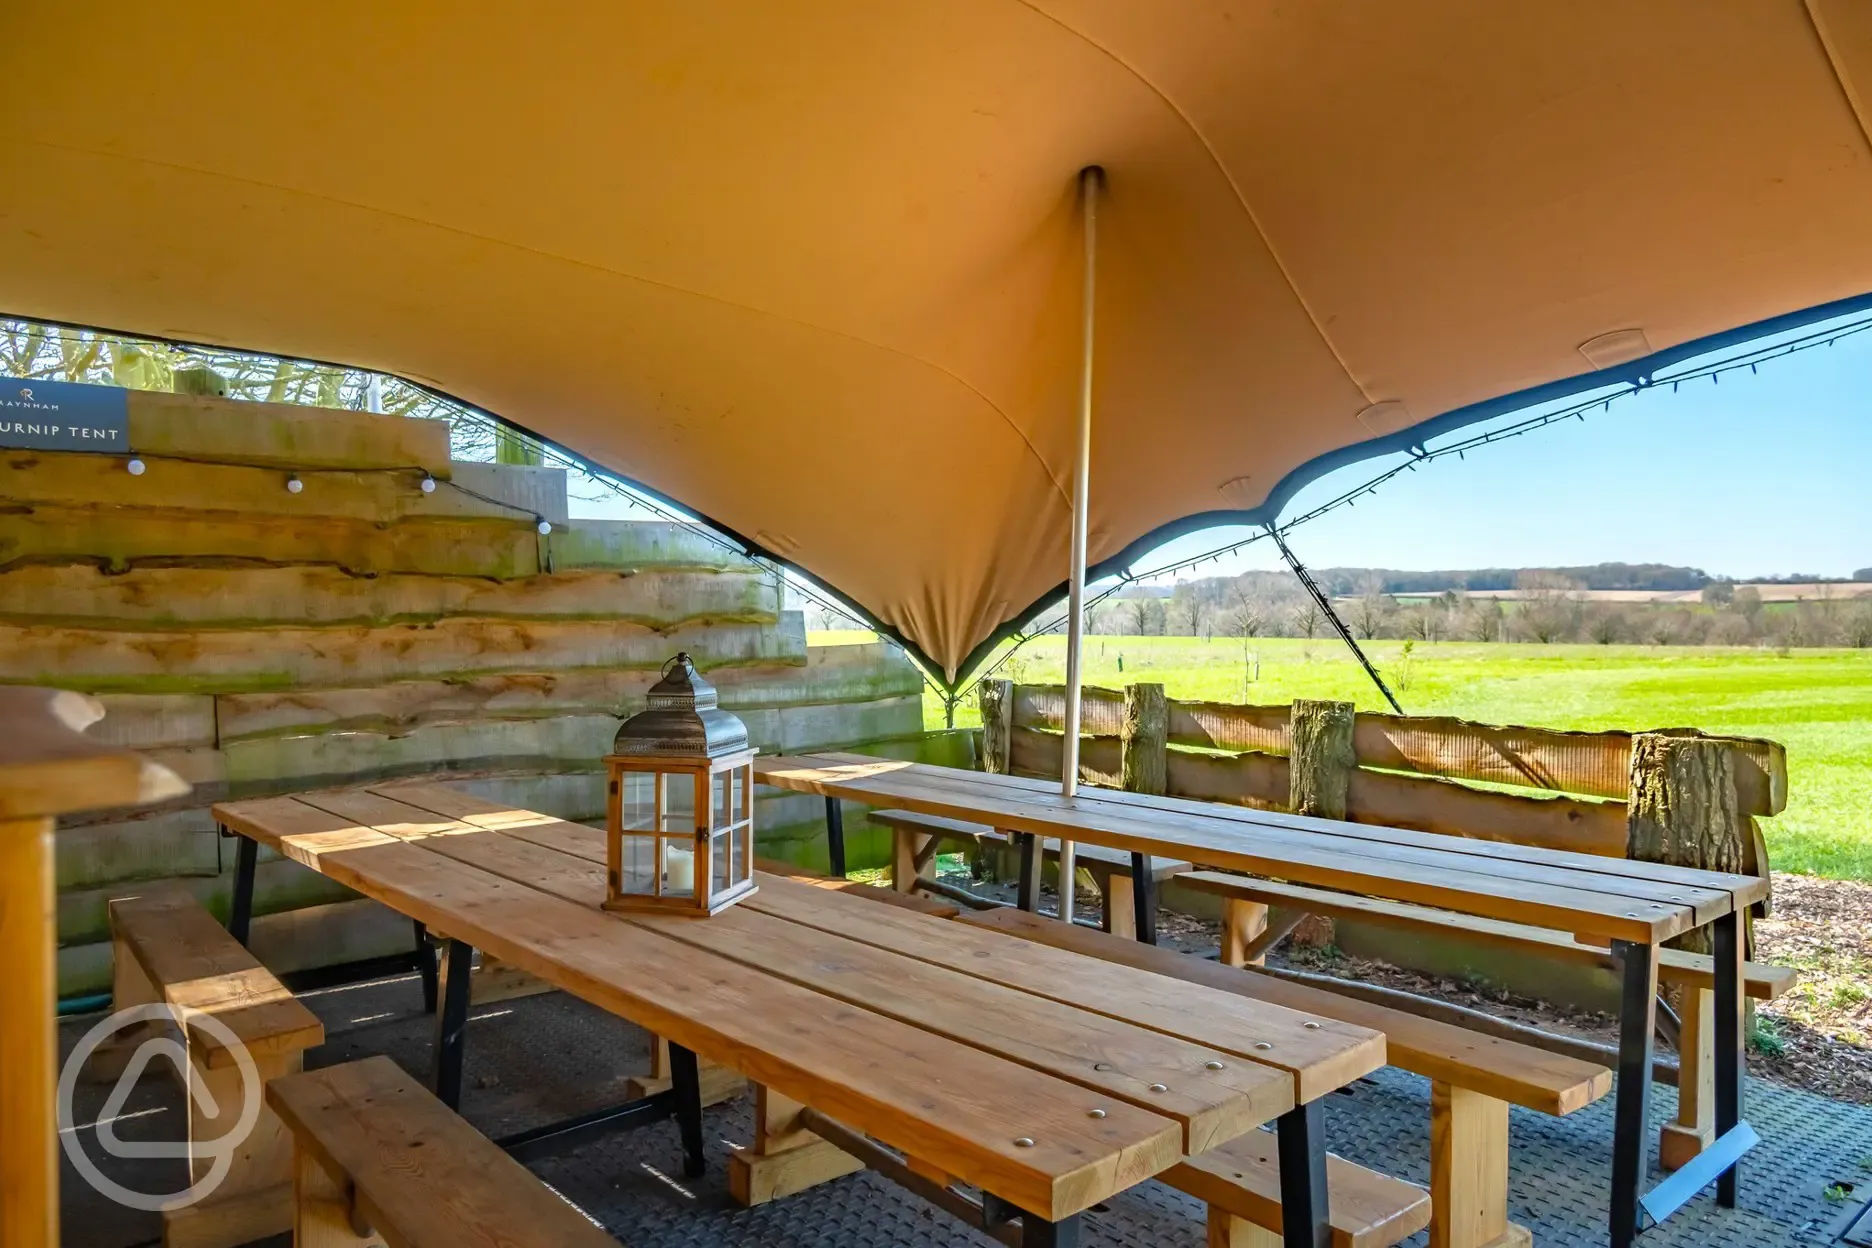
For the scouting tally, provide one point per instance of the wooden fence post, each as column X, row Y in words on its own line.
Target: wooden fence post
column 1145, row 738
column 1684, row 810
column 996, row 698
column 1320, row 762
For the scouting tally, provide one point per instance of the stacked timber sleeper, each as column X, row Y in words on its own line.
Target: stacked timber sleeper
column 262, row 641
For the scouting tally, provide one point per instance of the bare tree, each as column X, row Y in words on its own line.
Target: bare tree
column 1370, row 611
column 1186, row 610
column 1550, row 606
column 1307, row 618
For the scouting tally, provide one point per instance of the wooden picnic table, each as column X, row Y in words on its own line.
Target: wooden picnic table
column 1049, row 1081
column 1632, row 907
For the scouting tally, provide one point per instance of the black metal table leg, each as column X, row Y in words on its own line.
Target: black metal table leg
column 1630, row 1131
column 1027, row 895
column 451, row 1030
column 686, row 1083
column 1301, row 1146
column 426, row 966
column 1144, row 898
column 835, row 834
column 1727, row 941
column 1037, row 1232
column 240, row 911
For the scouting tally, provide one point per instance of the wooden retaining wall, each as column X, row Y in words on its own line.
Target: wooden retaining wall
column 261, row 641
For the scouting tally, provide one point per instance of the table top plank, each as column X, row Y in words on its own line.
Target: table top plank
column 1297, row 856
column 877, row 1074
column 1704, row 903
column 1321, row 1054
column 1745, row 889
column 1087, row 1048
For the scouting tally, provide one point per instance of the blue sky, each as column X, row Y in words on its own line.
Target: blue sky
column 1759, row 474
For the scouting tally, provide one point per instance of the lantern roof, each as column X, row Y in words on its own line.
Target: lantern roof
column 682, row 719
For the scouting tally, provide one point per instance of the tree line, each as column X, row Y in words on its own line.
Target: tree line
column 1548, row 607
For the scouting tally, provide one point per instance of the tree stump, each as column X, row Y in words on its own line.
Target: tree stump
column 1320, row 765
column 996, row 698
column 1145, row 739
column 1683, row 810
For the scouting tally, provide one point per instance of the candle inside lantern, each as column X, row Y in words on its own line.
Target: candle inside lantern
column 679, row 869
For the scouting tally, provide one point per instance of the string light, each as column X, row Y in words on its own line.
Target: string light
column 135, row 467
column 293, row 484
column 428, row 484
column 545, row 526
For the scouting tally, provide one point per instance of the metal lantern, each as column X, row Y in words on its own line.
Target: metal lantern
column 680, row 831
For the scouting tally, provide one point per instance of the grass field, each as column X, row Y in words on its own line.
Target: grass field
column 1818, row 703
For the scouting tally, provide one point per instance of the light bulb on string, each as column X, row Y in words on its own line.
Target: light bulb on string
column 135, row 467
column 428, row 484
column 545, row 527
column 294, row 485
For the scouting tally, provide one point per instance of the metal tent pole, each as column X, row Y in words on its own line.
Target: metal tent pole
column 1090, row 180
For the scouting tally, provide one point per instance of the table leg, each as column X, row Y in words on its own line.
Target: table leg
column 686, row 1082
column 451, row 1030
column 240, row 911
column 1630, row 1132
column 1037, row 1232
column 1727, row 941
column 1301, row 1146
column 1027, row 896
column 426, row 965
column 835, row 834
column 1144, row 898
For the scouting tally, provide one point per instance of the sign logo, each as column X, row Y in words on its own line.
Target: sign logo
column 212, row 1158
column 64, row 416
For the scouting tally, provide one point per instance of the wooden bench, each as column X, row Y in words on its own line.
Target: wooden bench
column 1247, row 899
column 891, row 897
column 917, row 838
column 170, row 950
column 1474, row 1078
column 378, row 1160
column 1240, row 1181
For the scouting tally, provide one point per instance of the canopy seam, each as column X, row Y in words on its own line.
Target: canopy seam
column 1222, row 168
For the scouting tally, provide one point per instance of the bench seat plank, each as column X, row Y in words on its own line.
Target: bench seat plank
column 1761, row 980
column 1366, row 1209
column 871, row 1072
column 423, row 1177
column 1504, row 1069
column 194, row 964
column 870, row 892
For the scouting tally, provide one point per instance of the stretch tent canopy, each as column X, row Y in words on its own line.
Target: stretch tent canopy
column 812, row 269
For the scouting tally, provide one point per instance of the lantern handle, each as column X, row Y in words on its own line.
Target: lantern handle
column 682, row 656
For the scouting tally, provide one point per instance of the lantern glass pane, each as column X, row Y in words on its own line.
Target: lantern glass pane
column 739, row 785
column 637, row 868
column 720, row 786
column 638, row 801
column 719, row 860
column 679, row 803
column 679, row 866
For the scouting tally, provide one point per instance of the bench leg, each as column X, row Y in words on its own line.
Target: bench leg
column 1695, row 1127
column 254, row 1198
column 1300, row 1143
column 1144, row 898
column 719, row 1083
column 906, row 851
column 322, row 1209
column 1242, row 921
column 835, row 835
column 1630, row 1129
column 686, row 1082
column 1469, row 1172
column 451, row 1030
column 1228, row 1231
column 784, row 1158
column 1120, row 913
column 130, row 987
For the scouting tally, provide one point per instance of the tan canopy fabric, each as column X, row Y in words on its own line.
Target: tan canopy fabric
column 812, row 268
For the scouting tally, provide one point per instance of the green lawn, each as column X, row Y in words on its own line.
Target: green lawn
column 1818, row 703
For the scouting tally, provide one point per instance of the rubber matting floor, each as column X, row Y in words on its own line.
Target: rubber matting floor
column 541, row 1058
